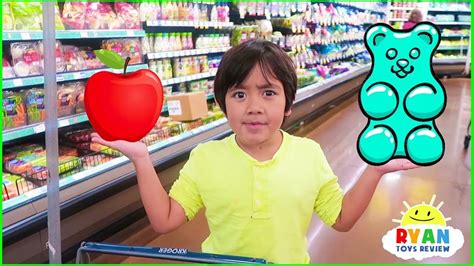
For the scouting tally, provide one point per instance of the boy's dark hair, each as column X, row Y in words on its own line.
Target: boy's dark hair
column 237, row 63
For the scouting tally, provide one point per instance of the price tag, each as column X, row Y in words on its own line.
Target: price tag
column 64, row 123
column 18, row 82
column 84, row 34
column 25, row 36
column 130, row 33
column 39, row 128
column 180, row 23
column 78, row 75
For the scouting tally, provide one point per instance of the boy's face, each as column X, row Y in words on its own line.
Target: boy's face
column 256, row 108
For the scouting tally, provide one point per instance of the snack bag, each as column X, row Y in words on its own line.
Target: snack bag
column 72, row 58
column 26, row 59
column 14, row 113
column 127, row 15
column 60, row 66
column 74, row 15
column 28, row 15
column 35, row 109
column 91, row 61
column 7, row 70
column 7, row 16
column 80, row 88
column 131, row 48
column 57, row 19
column 66, row 100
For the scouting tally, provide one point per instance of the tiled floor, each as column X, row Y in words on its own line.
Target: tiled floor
column 337, row 133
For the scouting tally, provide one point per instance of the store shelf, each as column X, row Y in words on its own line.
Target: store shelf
column 402, row 8
column 318, row 87
column 97, row 170
column 188, row 78
column 454, row 36
column 448, row 10
column 187, row 53
column 449, row 61
column 453, row 23
column 29, row 130
column 67, row 76
column 196, row 24
column 71, row 34
column 449, row 48
column 397, row 19
column 16, row 133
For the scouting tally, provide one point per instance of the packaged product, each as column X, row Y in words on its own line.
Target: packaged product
column 80, row 89
column 60, row 66
column 14, row 113
column 74, row 15
column 35, row 109
column 93, row 160
column 26, row 59
column 7, row 16
column 127, row 15
column 27, row 15
column 66, row 99
column 17, row 166
column 73, row 59
column 79, row 136
column 7, row 70
column 132, row 49
column 100, row 16
column 91, row 61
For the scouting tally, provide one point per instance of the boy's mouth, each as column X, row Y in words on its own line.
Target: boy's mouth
column 254, row 125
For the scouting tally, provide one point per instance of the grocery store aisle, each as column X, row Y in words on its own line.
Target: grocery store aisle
column 449, row 180
column 337, row 133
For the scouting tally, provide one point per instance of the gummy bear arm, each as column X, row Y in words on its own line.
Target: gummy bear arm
column 425, row 101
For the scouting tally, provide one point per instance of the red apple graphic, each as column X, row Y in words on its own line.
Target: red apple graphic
column 122, row 106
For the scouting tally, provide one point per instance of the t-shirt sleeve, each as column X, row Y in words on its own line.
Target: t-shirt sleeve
column 328, row 202
column 185, row 190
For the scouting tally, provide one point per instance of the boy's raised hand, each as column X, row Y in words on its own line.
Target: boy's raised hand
column 133, row 150
column 395, row 165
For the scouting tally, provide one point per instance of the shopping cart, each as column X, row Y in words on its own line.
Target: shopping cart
column 176, row 254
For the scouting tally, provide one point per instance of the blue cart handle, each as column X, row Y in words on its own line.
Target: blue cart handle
column 178, row 254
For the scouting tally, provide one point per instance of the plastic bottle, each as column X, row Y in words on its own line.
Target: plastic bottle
column 174, row 9
column 158, row 41
column 157, row 11
column 190, row 40
column 214, row 17
column 145, row 44
column 168, row 69
column 176, row 42
column 143, row 11
column 226, row 12
column 196, row 12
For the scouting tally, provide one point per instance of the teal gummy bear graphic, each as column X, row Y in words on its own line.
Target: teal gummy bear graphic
column 401, row 96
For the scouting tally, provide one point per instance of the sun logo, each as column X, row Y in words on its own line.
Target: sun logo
column 423, row 214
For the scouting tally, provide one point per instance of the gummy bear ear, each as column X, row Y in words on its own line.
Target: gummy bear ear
column 376, row 34
column 427, row 32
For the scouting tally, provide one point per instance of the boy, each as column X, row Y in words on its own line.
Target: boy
column 261, row 185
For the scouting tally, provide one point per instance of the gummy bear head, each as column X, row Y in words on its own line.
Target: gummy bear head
column 402, row 53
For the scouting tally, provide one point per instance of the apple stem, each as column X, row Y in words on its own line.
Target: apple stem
column 127, row 60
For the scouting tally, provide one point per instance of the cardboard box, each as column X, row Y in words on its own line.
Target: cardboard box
column 187, row 106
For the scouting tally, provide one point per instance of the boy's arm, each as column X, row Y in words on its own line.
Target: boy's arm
column 357, row 199
column 164, row 213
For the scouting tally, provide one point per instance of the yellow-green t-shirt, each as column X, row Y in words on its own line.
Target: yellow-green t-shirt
column 259, row 209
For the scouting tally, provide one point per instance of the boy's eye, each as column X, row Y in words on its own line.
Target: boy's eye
column 239, row 95
column 269, row 93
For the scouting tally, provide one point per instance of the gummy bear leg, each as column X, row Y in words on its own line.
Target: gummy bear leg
column 424, row 145
column 377, row 144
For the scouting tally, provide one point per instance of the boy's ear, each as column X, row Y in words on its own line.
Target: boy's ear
column 288, row 113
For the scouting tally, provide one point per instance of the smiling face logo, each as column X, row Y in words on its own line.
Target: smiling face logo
column 423, row 233
column 423, row 214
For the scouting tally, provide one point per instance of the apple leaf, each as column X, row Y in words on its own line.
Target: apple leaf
column 110, row 59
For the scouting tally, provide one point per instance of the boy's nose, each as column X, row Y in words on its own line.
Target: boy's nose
column 254, row 106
